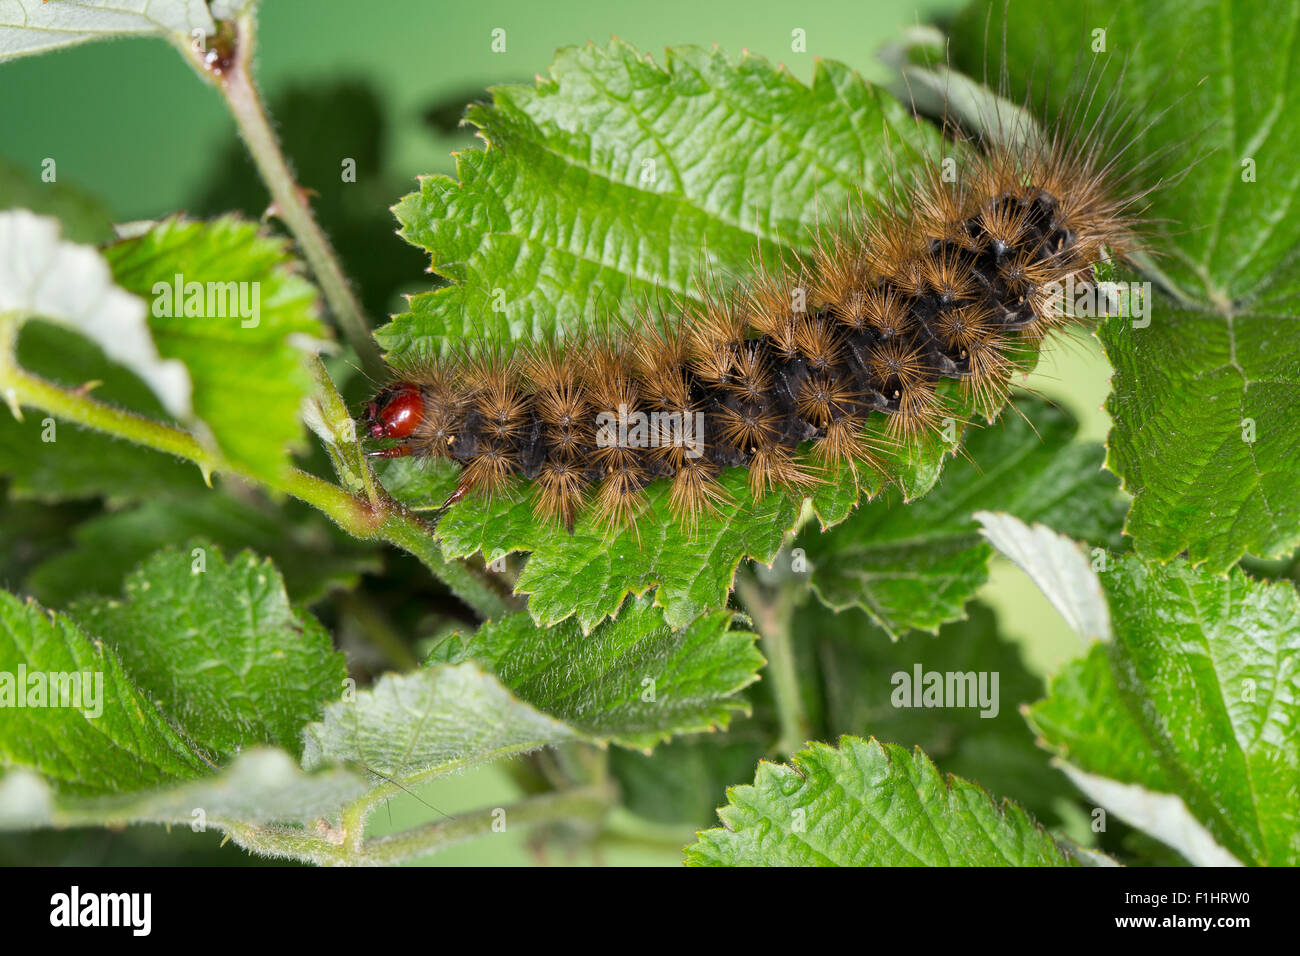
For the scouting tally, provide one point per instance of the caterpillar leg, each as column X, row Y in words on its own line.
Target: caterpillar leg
column 461, row 491
column 397, row 451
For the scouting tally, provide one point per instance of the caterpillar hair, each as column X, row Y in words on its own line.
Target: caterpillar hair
column 951, row 277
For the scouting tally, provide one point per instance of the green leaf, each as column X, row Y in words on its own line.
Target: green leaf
column 868, row 804
column 1219, row 357
column 589, row 573
column 218, row 646
column 261, row 785
column 410, row 728
column 116, row 740
column 511, row 688
column 635, row 680
column 247, row 361
column 615, row 177
column 38, row 26
column 315, row 557
column 916, row 565
column 1198, row 697
column 1205, row 409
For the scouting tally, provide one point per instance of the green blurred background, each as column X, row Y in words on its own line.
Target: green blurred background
column 385, row 83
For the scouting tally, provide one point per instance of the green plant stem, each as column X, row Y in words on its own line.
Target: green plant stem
column 772, row 613
column 585, row 806
column 240, row 93
column 384, row 519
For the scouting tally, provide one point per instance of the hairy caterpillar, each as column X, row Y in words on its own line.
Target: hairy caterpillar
column 780, row 374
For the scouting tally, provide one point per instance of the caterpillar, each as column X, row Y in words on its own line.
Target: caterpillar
column 780, row 374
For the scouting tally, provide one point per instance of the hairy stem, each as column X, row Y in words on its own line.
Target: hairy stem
column 772, row 611
column 383, row 519
column 583, row 807
column 235, row 82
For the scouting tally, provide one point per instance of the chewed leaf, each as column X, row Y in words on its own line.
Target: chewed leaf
column 44, row 276
column 648, row 155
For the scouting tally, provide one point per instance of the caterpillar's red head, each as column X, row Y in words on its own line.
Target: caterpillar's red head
column 395, row 412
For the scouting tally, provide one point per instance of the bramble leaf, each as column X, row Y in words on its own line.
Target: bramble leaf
column 513, row 687
column 81, row 463
column 37, row 26
column 45, row 276
column 261, row 785
column 115, row 740
column 1197, row 698
column 409, row 728
column 864, row 803
column 1058, row 566
column 634, row 680
column 219, row 648
column 614, row 178
column 1205, row 408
